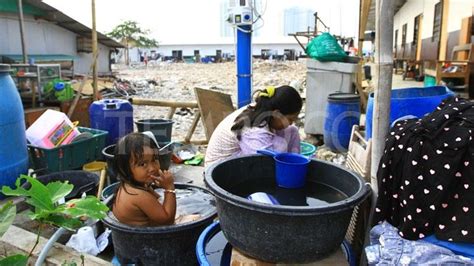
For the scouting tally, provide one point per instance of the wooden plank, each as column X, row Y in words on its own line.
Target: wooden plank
column 464, row 37
column 363, row 15
column 171, row 113
column 154, row 102
column 17, row 240
column 420, row 40
column 214, row 107
column 240, row 259
column 197, row 115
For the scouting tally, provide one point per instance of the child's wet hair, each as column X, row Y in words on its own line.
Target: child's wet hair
column 286, row 99
column 128, row 149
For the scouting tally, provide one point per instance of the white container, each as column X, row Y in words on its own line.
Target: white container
column 322, row 79
column 51, row 129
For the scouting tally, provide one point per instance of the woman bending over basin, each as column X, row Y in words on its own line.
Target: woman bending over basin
column 265, row 124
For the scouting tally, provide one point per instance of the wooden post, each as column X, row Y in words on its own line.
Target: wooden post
column 383, row 82
column 94, row 54
column 363, row 16
column 443, row 39
column 22, row 32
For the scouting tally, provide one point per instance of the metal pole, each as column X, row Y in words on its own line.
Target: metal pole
column 244, row 64
column 22, row 31
column 384, row 11
column 94, row 54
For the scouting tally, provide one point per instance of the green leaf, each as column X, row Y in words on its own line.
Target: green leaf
column 38, row 195
column 14, row 260
column 7, row 215
column 62, row 221
column 19, row 191
column 89, row 206
column 59, row 190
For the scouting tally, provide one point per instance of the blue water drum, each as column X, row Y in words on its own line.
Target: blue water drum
column 112, row 115
column 416, row 101
column 13, row 151
column 342, row 113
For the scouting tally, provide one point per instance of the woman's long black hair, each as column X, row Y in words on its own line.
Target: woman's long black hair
column 286, row 99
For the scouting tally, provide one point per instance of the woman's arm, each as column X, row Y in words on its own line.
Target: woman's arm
column 292, row 137
column 256, row 138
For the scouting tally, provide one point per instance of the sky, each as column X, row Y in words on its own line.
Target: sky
column 190, row 21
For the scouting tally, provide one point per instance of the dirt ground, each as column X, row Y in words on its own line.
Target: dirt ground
column 176, row 81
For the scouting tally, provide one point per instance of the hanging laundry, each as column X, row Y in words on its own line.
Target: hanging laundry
column 426, row 174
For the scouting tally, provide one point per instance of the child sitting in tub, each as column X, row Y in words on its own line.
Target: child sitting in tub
column 138, row 169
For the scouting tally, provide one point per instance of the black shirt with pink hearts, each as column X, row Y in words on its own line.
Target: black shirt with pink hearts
column 426, row 174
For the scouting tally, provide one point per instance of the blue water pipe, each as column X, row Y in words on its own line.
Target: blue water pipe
column 244, row 64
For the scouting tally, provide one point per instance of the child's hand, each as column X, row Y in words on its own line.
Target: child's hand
column 167, row 179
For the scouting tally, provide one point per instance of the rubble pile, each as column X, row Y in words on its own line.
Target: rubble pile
column 176, row 82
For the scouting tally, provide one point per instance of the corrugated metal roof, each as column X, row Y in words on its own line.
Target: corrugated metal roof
column 64, row 21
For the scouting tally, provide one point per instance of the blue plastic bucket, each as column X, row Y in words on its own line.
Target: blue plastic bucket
column 213, row 249
column 13, row 151
column 342, row 113
column 410, row 101
column 290, row 168
column 112, row 115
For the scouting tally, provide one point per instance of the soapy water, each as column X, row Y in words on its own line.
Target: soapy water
column 191, row 201
column 312, row 195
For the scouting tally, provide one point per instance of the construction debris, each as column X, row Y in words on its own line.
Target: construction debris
column 176, row 82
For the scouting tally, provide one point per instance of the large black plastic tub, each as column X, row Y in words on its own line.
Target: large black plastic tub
column 83, row 181
column 280, row 233
column 160, row 245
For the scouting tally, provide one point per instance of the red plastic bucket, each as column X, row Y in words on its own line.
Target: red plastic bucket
column 290, row 168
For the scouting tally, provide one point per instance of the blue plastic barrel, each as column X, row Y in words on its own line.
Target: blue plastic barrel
column 213, row 249
column 13, row 151
column 114, row 116
column 342, row 113
column 410, row 101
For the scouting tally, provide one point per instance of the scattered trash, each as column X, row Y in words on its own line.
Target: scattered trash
column 84, row 241
column 195, row 160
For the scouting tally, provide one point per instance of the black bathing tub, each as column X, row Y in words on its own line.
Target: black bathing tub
column 309, row 224
column 165, row 245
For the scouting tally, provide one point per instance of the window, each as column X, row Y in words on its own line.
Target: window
column 437, row 23
column 395, row 41
column 416, row 29
column 404, row 34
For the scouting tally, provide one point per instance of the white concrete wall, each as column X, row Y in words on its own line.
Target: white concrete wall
column 406, row 15
column 43, row 37
column 83, row 61
column 457, row 10
column 210, row 49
